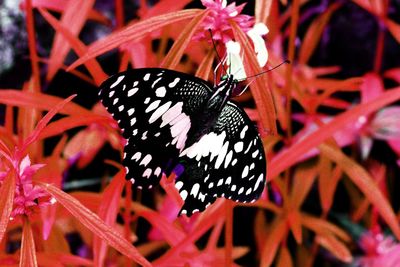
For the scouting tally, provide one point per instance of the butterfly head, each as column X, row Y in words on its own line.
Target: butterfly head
column 222, row 93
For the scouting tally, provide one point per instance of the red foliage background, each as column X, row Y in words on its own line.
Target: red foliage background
column 331, row 194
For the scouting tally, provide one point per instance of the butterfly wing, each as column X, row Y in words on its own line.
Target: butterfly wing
column 228, row 161
column 154, row 108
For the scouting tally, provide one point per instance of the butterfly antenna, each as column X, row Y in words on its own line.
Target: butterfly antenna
column 261, row 73
column 254, row 76
column 245, row 88
column 216, row 51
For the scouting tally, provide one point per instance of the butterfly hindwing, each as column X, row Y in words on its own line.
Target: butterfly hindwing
column 228, row 161
column 154, row 108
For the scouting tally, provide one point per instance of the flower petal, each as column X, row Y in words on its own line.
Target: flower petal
column 255, row 35
column 234, row 60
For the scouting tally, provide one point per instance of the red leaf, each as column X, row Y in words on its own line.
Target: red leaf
column 163, row 7
column 95, row 224
column 393, row 74
column 39, row 101
column 262, row 10
column 73, row 17
column 108, row 211
column 133, row 32
column 64, row 124
column 394, row 29
column 60, row 5
column 294, row 153
column 336, row 247
column 366, row 184
column 92, row 65
column 321, row 226
column 208, row 219
column 43, row 122
column 262, row 94
column 205, row 66
column 276, row 234
column 284, row 259
column 175, row 54
column 28, row 252
column 7, row 190
column 170, row 232
column 314, row 33
column 304, row 178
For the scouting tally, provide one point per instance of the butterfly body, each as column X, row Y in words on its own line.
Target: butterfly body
column 176, row 122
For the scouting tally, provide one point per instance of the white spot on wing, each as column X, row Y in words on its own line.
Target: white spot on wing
column 152, row 106
column 171, row 85
column 255, row 153
column 184, row 194
column 228, row 158
column 121, row 108
column 159, row 112
column 155, row 82
column 239, row 146
column 195, row 189
column 259, row 180
column 161, row 91
column 245, row 171
column 157, row 171
column 178, row 185
column 221, row 155
column 243, row 132
column 111, row 93
column 248, row 191
column 136, row 156
column 132, row 91
column 147, row 173
column 146, row 77
column 171, row 114
column 202, row 197
column 146, row 160
column 131, row 111
column 119, row 79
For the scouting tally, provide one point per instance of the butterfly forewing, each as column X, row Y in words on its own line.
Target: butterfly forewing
column 154, row 108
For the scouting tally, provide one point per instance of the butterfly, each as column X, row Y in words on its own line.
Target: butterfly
column 175, row 122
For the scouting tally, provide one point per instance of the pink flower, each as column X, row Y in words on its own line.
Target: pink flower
column 379, row 251
column 218, row 20
column 382, row 125
column 28, row 197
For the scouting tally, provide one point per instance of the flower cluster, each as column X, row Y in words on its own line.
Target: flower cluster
column 218, row 22
column 27, row 197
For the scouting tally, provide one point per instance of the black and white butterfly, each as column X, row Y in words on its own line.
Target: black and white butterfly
column 173, row 121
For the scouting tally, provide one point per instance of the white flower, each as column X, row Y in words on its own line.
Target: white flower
column 234, row 60
column 255, row 35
